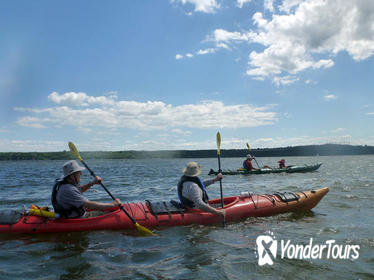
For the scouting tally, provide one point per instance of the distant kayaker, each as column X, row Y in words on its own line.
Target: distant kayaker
column 67, row 198
column 282, row 163
column 247, row 164
column 192, row 192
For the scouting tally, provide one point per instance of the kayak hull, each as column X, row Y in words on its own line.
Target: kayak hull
column 237, row 208
column 291, row 169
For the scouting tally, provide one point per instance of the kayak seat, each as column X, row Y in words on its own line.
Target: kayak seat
column 165, row 207
column 287, row 196
column 10, row 217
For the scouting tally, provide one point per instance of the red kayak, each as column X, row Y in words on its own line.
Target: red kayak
column 166, row 214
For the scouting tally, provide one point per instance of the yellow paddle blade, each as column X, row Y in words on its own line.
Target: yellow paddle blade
column 248, row 146
column 74, row 151
column 218, row 143
column 144, row 231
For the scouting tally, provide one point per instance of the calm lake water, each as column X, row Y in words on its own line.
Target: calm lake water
column 346, row 215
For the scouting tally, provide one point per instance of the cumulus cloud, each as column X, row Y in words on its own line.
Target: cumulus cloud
column 203, row 6
column 303, row 34
column 80, row 99
column 150, row 115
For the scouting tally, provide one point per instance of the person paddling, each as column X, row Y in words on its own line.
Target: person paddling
column 67, row 198
column 282, row 163
column 192, row 192
column 247, row 164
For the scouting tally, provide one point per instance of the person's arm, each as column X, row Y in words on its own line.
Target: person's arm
column 97, row 180
column 94, row 205
column 194, row 193
column 212, row 181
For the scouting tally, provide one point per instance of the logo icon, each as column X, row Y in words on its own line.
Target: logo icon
column 266, row 249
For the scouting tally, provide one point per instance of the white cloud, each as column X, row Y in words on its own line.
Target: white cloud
column 189, row 55
column 80, row 99
column 221, row 35
column 370, row 113
column 330, row 97
column 285, row 80
column 206, row 51
column 304, row 34
column 178, row 56
column 268, row 5
column 240, row 3
column 203, row 6
column 150, row 115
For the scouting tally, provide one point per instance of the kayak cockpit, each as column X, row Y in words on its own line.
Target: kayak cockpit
column 227, row 201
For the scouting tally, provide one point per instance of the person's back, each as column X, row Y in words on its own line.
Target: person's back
column 191, row 190
column 247, row 163
column 70, row 200
column 282, row 163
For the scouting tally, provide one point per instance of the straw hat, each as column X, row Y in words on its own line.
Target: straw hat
column 70, row 167
column 249, row 156
column 192, row 169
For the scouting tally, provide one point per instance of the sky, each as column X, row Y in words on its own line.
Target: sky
column 169, row 74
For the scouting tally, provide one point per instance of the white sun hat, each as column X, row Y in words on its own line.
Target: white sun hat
column 192, row 169
column 70, row 167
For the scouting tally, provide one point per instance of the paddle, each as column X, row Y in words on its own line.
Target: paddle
column 219, row 170
column 142, row 230
column 253, row 157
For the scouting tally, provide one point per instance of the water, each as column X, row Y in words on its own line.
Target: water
column 193, row 252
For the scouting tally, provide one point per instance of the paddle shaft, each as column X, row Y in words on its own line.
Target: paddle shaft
column 256, row 162
column 220, row 181
column 249, row 149
column 108, row 192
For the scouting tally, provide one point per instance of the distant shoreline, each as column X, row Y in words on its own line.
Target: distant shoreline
column 308, row 150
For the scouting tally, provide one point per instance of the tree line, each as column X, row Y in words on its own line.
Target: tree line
column 308, row 150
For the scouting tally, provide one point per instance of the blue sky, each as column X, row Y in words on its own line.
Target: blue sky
column 169, row 74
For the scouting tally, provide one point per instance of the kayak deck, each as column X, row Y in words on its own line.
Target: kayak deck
column 237, row 208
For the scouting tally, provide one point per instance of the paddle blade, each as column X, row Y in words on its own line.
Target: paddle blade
column 248, row 146
column 74, row 151
column 218, row 143
column 144, row 231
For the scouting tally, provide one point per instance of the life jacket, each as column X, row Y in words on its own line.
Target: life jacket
column 64, row 213
column 185, row 201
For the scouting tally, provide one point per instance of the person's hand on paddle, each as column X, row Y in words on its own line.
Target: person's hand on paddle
column 219, row 177
column 223, row 213
column 116, row 202
column 97, row 180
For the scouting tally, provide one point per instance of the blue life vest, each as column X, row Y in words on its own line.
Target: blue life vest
column 185, row 201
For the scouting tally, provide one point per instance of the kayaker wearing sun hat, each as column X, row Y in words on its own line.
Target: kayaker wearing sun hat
column 67, row 198
column 247, row 163
column 192, row 192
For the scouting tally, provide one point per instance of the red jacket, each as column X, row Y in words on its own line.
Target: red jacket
column 248, row 164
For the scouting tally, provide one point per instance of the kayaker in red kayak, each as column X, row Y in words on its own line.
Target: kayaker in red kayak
column 192, row 192
column 67, row 198
column 282, row 163
column 247, row 164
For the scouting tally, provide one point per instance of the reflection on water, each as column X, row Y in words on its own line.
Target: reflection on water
column 193, row 252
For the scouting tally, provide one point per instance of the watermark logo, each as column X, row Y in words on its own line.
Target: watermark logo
column 267, row 250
